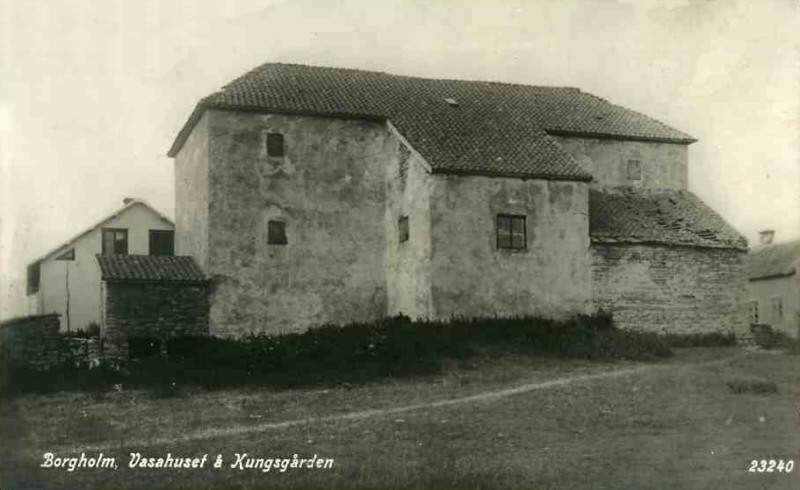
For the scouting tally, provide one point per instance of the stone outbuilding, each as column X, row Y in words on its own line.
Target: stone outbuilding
column 148, row 300
column 311, row 195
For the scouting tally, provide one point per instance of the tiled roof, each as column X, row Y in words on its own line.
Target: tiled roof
column 669, row 217
column 457, row 126
column 780, row 259
column 160, row 268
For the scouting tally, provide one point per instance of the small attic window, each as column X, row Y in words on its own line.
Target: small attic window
column 274, row 144
column 68, row 255
column 451, row 102
column 276, row 232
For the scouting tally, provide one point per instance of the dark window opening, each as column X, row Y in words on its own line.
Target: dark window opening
column 511, row 232
column 754, row 312
column 402, row 228
column 634, row 170
column 115, row 241
column 68, row 255
column 162, row 242
column 274, row 144
column 33, row 278
column 276, row 233
column 140, row 347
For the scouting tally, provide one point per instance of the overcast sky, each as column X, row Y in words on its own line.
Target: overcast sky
column 92, row 92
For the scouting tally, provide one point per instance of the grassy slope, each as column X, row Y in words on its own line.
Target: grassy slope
column 664, row 428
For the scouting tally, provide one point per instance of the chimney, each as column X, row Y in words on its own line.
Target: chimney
column 766, row 237
column 128, row 200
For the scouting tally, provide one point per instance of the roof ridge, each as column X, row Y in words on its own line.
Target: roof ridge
column 398, row 75
column 96, row 224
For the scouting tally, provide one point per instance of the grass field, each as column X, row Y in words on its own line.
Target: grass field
column 683, row 423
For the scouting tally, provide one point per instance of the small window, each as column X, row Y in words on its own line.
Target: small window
column 776, row 305
column 162, row 242
column 402, row 229
column 754, row 312
column 634, row 170
column 33, row 278
column 68, row 255
column 274, row 144
column 276, row 233
column 115, row 241
column 511, row 232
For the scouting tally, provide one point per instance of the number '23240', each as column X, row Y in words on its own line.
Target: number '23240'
column 771, row 466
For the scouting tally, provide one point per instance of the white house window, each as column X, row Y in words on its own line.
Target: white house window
column 634, row 170
column 115, row 241
column 776, row 307
column 275, row 145
column 162, row 242
column 511, row 232
column 754, row 312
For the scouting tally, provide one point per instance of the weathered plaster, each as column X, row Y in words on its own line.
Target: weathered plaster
column 664, row 165
column 191, row 196
column 408, row 263
column 670, row 289
column 329, row 188
column 471, row 277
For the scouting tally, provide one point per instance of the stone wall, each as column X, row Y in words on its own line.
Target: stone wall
column 670, row 289
column 155, row 310
column 33, row 341
column 663, row 165
column 329, row 189
column 472, row 277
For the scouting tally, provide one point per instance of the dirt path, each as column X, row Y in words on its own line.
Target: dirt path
column 487, row 396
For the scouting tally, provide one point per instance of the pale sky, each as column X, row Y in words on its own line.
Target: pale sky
column 92, row 92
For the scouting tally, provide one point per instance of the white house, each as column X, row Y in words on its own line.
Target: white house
column 67, row 280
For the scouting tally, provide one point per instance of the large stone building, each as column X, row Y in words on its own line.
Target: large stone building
column 313, row 195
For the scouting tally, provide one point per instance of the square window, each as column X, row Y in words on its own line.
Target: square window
column 274, row 144
column 511, row 233
column 115, row 241
column 402, row 229
column 162, row 242
column 634, row 170
column 68, row 255
column 276, row 233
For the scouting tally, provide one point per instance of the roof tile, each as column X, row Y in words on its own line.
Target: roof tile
column 670, row 217
column 780, row 259
column 495, row 128
column 160, row 268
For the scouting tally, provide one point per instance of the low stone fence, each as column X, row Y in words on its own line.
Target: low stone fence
column 33, row 341
column 86, row 351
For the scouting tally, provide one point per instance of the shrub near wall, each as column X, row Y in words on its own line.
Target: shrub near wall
column 33, row 342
